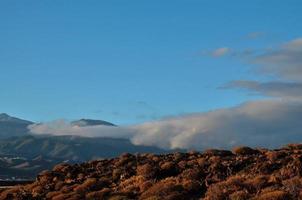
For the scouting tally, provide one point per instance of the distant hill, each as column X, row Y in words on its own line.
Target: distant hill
column 12, row 126
column 15, row 167
column 26, row 156
column 70, row 147
column 90, row 122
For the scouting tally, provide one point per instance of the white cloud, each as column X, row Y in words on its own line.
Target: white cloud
column 255, row 35
column 220, row 52
column 287, row 90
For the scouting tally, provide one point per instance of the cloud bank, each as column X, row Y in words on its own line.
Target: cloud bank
column 63, row 127
column 263, row 123
column 269, row 123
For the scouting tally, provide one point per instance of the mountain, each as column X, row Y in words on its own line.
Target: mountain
column 244, row 173
column 91, row 122
column 12, row 126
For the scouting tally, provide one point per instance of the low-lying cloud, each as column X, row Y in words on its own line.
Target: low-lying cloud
column 268, row 123
column 63, row 127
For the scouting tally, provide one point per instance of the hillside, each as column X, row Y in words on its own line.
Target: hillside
column 70, row 147
column 25, row 157
column 244, row 173
column 21, row 168
column 12, row 126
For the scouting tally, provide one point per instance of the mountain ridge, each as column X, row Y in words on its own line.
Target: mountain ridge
column 12, row 126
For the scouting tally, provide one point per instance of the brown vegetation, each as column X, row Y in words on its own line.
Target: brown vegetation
column 244, row 173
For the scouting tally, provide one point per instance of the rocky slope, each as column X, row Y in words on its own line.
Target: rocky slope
column 243, row 173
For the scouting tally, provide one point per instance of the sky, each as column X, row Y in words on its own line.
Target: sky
column 143, row 63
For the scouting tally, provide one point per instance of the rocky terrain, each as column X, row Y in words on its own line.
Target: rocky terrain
column 242, row 173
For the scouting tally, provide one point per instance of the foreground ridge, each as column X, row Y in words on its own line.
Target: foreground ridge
column 243, row 173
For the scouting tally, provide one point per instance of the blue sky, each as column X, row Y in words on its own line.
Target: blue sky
column 131, row 61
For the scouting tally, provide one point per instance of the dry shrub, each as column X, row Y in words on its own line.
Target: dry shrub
column 239, row 195
column 37, row 191
column 88, row 184
column 118, row 197
column 294, row 146
column 61, row 196
column 244, row 151
column 45, row 178
column 132, row 184
column 274, row 195
column 155, row 158
column 75, row 197
column 220, row 191
column 217, row 152
column 178, row 156
column 50, row 195
column 9, row 193
column 258, row 182
column 194, row 174
column 98, row 194
column 293, row 186
column 274, row 155
column 66, row 189
column 146, row 170
column 202, row 162
column 191, row 186
column 182, row 164
column 80, row 176
column 167, row 166
column 162, row 189
column 59, row 185
column 62, row 168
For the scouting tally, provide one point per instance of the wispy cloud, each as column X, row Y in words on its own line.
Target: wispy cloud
column 274, row 88
column 255, row 35
column 222, row 51
column 284, row 61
